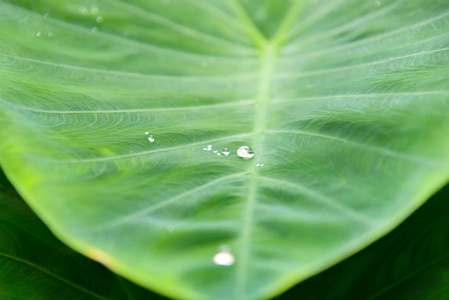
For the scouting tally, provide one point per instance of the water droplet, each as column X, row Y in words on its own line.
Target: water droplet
column 245, row 152
column 99, row 19
column 84, row 11
column 226, row 151
column 224, row 258
column 147, row 133
column 218, row 154
column 215, row 151
column 209, row 147
column 94, row 29
column 259, row 165
column 50, row 34
column 46, row 15
column 377, row 3
column 38, row 34
column 94, row 9
column 150, row 138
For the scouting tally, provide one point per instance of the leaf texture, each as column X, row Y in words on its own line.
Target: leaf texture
column 345, row 103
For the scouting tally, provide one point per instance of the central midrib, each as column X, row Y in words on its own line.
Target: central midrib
column 269, row 51
column 262, row 100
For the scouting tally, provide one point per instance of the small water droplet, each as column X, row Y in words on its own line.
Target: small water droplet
column 94, row 29
column 245, row 152
column 209, row 147
column 99, row 19
column 94, row 9
column 84, row 11
column 150, row 138
column 226, row 151
column 147, row 133
column 224, row 258
column 215, row 151
column 377, row 3
column 218, row 154
column 39, row 34
column 46, row 15
column 50, row 34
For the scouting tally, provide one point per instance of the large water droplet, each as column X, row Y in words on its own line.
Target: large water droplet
column 226, row 151
column 245, row 152
column 224, row 258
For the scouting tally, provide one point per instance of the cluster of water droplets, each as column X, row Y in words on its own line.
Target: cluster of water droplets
column 94, row 11
column 49, row 34
column 244, row 152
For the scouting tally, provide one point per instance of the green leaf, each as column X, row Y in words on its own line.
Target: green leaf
column 345, row 104
column 412, row 262
column 35, row 265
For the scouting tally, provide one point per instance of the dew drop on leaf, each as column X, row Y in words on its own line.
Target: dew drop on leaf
column 84, row 11
column 94, row 9
column 245, row 152
column 94, row 29
column 226, row 152
column 150, row 138
column 99, row 19
column 224, row 258
column 38, row 34
column 50, row 34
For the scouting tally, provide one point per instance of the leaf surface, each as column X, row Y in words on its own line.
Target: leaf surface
column 345, row 103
